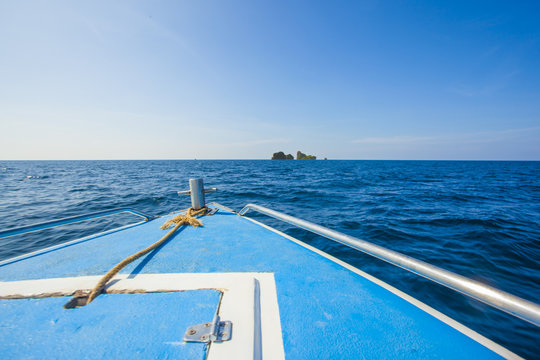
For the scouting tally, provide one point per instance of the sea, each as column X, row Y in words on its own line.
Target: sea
column 480, row 219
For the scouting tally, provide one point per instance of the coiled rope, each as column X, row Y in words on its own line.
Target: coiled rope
column 182, row 219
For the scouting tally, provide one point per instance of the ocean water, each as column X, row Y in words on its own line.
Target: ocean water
column 478, row 219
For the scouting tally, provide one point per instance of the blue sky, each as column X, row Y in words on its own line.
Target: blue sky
column 243, row 79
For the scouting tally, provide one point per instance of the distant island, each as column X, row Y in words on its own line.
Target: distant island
column 280, row 155
column 301, row 156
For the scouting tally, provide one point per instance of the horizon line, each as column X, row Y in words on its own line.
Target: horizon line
column 265, row 159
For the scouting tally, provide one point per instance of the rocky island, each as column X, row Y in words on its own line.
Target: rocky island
column 301, row 156
column 280, row 155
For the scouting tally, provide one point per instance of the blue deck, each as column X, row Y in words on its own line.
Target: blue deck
column 95, row 331
column 326, row 310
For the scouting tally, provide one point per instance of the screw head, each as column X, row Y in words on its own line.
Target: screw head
column 192, row 332
column 207, row 324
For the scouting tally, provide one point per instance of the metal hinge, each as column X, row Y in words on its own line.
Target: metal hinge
column 210, row 331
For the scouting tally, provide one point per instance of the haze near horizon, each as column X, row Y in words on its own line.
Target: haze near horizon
column 242, row 80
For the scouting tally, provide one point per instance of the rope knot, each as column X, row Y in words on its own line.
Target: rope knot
column 186, row 219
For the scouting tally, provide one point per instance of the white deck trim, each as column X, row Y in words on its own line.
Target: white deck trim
column 490, row 344
column 249, row 300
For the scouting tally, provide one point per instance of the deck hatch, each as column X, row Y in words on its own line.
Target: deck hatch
column 247, row 300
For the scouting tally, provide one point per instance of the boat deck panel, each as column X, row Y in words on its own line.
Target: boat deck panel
column 38, row 328
column 326, row 310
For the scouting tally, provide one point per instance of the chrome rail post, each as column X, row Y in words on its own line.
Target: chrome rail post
column 72, row 219
column 499, row 299
column 196, row 188
column 197, row 191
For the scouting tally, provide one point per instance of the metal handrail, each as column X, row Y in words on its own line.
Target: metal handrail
column 499, row 299
column 72, row 219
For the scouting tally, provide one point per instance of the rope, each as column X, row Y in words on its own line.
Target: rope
column 182, row 219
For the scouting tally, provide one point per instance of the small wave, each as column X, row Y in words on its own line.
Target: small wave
column 495, row 223
column 29, row 177
column 350, row 225
column 78, row 190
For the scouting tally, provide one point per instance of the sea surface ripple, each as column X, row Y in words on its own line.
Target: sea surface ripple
column 478, row 219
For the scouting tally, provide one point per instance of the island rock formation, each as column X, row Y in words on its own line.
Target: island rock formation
column 301, row 156
column 281, row 156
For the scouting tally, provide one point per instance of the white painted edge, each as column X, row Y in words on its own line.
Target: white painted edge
column 71, row 242
column 490, row 344
column 272, row 341
column 249, row 300
column 263, row 311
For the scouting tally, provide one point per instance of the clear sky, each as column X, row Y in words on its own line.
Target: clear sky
column 244, row 79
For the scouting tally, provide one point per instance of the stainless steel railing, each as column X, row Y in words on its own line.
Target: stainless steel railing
column 69, row 220
column 499, row 299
